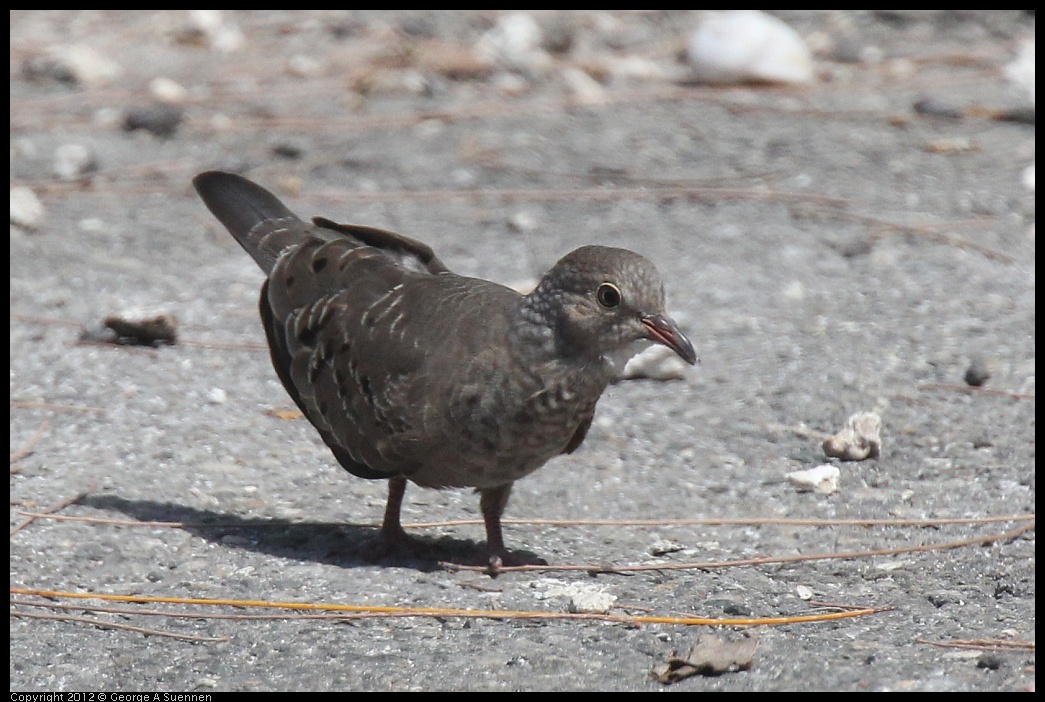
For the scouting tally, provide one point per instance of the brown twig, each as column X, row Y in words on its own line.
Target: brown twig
column 31, row 404
column 927, row 231
column 763, row 560
column 114, row 625
column 984, row 644
column 497, row 614
column 714, row 521
column 27, row 447
column 481, row 587
column 56, row 507
column 225, row 345
column 972, row 390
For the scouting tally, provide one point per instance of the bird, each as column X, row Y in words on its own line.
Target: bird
column 410, row 372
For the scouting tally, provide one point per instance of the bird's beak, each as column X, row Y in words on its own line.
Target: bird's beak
column 663, row 330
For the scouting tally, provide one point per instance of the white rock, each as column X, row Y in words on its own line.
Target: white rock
column 655, row 363
column 1028, row 177
column 583, row 88
column 221, row 35
column 303, row 66
column 736, row 46
column 510, row 84
column 216, row 396
column 1021, row 70
column 168, row 91
column 87, row 65
column 591, row 601
column 515, row 43
column 822, row 479
column 523, row 221
column 27, row 211
column 206, row 20
column 582, row 596
column 74, row 160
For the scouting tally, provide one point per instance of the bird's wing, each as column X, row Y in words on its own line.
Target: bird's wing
column 329, row 287
column 265, row 227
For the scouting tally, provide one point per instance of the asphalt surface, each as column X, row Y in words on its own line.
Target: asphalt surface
column 855, row 245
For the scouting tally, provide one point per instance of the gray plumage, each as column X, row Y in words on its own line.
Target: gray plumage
column 411, row 372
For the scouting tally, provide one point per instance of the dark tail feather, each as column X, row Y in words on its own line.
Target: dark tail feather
column 241, row 206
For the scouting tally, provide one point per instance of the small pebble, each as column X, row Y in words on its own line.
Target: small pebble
column 160, row 120
column 73, row 161
column 1021, row 70
column 989, row 660
column 977, row 373
column 216, row 31
column 167, row 90
column 288, row 150
column 515, row 43
column 303, row 66
column 523, row 221
column 663, row 547
column 939, row 598
column 935, row 108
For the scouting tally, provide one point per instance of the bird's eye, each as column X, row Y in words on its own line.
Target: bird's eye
column 608, row 295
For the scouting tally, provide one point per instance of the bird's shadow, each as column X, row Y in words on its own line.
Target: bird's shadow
column 338, row 544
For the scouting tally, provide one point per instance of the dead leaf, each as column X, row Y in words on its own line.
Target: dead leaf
column 709, row 656
column 161, row 329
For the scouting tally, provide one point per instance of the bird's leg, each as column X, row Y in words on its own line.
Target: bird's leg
column 392, row 533
column 391, row 528
column 492, row 502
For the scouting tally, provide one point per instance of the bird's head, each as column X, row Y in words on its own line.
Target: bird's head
column 607, row 302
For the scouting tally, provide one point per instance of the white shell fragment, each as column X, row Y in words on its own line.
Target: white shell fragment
column 27, row 211
column 591, row 601
column 87, row 66
column 859, row 439
column 1021, row 70
column 582, row 597
column 515, row 43
column 740, row 46
column 822, row 479
column 655, row 363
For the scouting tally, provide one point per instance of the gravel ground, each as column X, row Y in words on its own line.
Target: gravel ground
column 855, row 245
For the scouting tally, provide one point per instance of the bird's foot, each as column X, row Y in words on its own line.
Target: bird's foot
column 392, row 541
column 503, row 559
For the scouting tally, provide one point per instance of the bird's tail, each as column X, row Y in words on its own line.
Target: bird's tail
column 243, row 207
